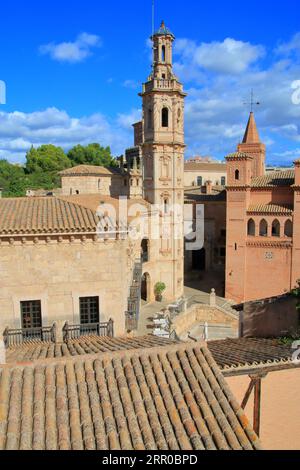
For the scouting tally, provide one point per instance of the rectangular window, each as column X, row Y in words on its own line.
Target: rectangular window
column 199, row 181
column 89, row 310
column 31, row 314
column 223, row 181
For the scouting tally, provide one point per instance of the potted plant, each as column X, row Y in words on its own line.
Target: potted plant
column 159, row 288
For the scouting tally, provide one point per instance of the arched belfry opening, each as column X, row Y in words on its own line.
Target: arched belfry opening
column 165, row 117
column 163, row 53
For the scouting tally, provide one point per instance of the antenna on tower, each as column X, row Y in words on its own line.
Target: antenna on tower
column 153, row 31
column 252, row 103
column 153, row 17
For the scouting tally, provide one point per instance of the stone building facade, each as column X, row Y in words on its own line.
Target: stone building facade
column 89, row 179
column 197, row 173
column 263, row 243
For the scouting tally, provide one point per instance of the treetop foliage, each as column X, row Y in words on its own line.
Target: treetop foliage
column 43, row 164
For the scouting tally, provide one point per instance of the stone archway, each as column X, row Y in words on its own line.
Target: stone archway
column 145, row 288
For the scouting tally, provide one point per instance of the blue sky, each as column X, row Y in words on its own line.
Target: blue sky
column 73, row 71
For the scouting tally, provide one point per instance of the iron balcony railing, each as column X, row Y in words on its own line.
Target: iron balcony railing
column 99, row 329
column 26, row 335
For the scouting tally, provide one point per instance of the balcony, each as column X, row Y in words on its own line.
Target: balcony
column 89, row 329
column 13, row 338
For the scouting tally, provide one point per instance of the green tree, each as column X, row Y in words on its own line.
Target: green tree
column 46, row 158
column 92, row 154
column 12, row 179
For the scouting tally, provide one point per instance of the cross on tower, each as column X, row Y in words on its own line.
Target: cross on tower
column 252, row 102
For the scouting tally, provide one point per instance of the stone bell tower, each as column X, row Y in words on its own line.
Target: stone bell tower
column 163, row 158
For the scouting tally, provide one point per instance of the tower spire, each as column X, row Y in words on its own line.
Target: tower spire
column 251, row 135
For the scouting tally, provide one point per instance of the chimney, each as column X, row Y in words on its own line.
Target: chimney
column 209, row 187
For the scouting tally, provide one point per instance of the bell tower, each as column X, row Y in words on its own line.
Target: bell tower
column 163, row 157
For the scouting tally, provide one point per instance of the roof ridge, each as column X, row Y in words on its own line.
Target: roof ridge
column 128, row 353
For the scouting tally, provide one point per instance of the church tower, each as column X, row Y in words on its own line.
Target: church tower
column 253, row 147
column 163, row 159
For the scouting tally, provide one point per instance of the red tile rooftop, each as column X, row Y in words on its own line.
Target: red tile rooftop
column 166, row 398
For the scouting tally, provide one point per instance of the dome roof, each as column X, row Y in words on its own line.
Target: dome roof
column 164, row 31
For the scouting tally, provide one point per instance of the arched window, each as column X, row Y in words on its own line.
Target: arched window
column 99, row 184
column 251, row 228
column 145, row 250
column 237, row 175
column 263, row 228
column 165, row 117
column 166, row 206
column 276, row 228
column 288, row 229
column 150, row 119
column 163, row 53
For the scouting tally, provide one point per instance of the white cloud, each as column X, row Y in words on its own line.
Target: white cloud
column 127, row 120
column 289, row 47
column 132, row 84
column 227, row 57
column 222, row 75
column 72, row 52
column 19, row 131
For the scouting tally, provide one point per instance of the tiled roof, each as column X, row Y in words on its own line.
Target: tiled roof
column 163, row 31
column 233, row 355
column 90, row 170
column 163, row 398
column 195, row 194
column 282, row 209
column 61, row 214
column 237, row 155
column 44, row 215
column 81, row 346
column 272, row 180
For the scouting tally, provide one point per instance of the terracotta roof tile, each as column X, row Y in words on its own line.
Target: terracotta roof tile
column 90, row 170
column 241, row 354
column 44, row 215
column 166, row 398
column 81, row 346
column 272, row 209
column 274, row 179
column 63, row 214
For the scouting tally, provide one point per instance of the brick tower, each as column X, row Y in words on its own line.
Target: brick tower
column 253, row 147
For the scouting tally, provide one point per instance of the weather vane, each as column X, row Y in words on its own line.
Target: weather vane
column 252, row 102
